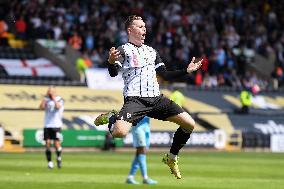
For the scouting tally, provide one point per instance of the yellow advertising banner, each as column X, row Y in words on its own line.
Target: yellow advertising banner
column 75, row 98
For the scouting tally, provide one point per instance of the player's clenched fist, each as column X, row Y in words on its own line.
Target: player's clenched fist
column 114, row 54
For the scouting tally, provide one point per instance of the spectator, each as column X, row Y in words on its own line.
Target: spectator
column 205, row 63
column 246, row 96
column 21, row 27
column 232, row 37
column 89, row 41
column 198, row 78
column 3, row 33
column 57, row 31
column 75, row 41
column 220, row 79
column 278, row 77
column 177, row 29
column 209, row 81
column 81, row 67
column 177, row 97
column 96, row 59
column 246, row 101
column 220, row 58
column 87, row 60
column 233, row 80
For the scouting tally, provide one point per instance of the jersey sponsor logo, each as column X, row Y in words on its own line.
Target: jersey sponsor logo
column 135, row 60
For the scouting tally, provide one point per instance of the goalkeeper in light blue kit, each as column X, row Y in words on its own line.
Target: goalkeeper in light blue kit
column 141, row 141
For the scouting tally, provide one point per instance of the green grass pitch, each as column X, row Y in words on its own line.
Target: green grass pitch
column 108, row 170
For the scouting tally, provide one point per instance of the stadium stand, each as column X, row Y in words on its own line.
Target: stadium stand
column 21, row 65
column 37, row 67
column 180, row 29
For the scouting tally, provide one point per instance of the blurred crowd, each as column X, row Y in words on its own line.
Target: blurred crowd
column 218, row 31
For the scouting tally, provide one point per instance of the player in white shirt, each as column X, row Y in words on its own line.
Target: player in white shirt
column 54, row 107
column 139, row 64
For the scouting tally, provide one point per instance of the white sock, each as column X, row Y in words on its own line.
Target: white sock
column 172, row 156
column 59, row 149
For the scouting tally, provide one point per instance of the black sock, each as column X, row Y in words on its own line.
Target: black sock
column 179, row 140
column 48, row 154
column 111, row 121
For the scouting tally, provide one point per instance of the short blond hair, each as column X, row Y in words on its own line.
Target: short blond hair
column 130, row 20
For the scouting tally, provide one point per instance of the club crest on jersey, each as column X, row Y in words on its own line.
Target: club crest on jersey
column 128, row 115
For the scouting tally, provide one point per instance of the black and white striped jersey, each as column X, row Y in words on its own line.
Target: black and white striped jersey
column 138, row 66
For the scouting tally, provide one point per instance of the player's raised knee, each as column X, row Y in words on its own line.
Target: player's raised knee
column 121, row 129
column 192, row 123
column 188, row 120
column 118, row 133
column 189, row 123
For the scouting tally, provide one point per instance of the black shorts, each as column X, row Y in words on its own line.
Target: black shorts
column 135, row 108
column 52, row 133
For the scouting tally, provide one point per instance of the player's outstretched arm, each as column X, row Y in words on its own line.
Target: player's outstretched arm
column 171, row 75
